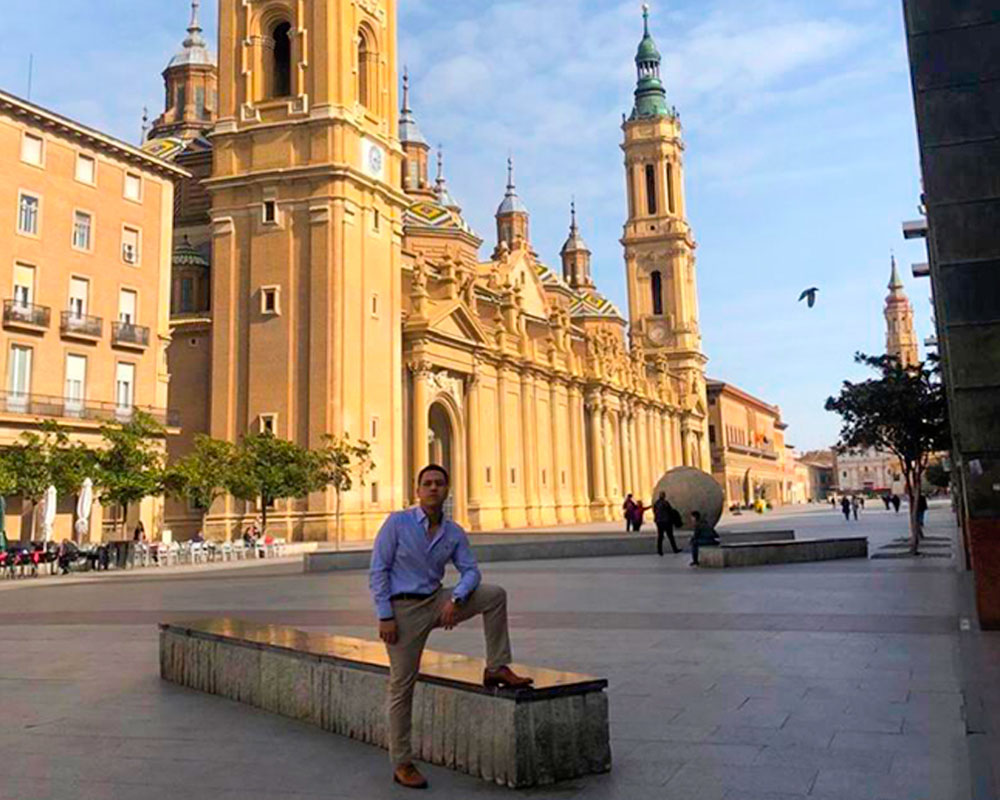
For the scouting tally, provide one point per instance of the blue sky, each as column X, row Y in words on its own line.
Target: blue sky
column 801, row 148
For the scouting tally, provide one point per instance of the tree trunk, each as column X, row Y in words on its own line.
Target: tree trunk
column 263, row 515
column 914, row 497
column 337, row 518
column 124, row 522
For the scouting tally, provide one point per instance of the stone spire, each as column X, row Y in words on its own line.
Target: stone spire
column 650, row 96
column 444, row 197
column 901, row 338
column 512, row 215
column 576, row 256
column 409, row 132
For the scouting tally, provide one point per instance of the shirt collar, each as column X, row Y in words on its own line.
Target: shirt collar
column 422, row 519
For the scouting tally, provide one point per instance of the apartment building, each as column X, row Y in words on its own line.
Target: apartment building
column 86, row 235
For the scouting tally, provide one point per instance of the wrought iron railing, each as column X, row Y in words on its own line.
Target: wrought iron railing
column 81, row 324
column 129, row 334
column 37, row 405
column 14, row 312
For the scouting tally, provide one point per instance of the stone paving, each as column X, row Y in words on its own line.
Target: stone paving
column 824, row 681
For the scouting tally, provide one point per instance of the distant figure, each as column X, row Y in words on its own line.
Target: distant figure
column 855, row 505
column 249, row 540
column 861, row 500
column 845, row 506
column 704, row 536
column 833, row 501
column 665, row 516
column 887, row 500
column 638, row 516
column 140, row 533
column 921, row 512
column 896, row 502
column 199, row 537
column 628, row 509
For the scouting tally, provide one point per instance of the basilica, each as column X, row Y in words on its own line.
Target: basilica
column 325, row 282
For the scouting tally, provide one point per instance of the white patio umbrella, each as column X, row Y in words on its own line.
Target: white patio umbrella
column 49, row 513
column 84, row 504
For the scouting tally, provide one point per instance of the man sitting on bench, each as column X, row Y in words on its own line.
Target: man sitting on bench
column 408, row 561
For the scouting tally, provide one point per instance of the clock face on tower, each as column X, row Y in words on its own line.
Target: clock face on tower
column 372, row 159
column 658, row 333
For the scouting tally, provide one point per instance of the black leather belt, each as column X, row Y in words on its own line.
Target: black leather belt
column 411, row 596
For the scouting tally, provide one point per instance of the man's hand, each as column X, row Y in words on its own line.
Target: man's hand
column 387, row 631
column 449, row 615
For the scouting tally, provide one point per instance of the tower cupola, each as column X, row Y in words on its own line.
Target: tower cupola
column 901, row 337
column 576, row 256
column 416, row 151
column 650, row 96
column 191, row 80
column 512, row 215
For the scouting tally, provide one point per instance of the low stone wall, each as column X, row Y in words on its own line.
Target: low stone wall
column 515, row 738
column 555, row 548
column 800, row 550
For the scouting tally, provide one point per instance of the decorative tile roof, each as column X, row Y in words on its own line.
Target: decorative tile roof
column 186, row 255
column 590, row 303
column 425, row 214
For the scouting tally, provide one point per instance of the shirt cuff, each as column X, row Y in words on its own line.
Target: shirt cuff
column 384, row 609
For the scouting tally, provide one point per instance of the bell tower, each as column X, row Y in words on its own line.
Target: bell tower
column 900, row 336
column 658, row 241
column 307, row 213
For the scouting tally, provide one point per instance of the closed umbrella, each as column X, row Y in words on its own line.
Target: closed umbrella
column 84, row 504
column 49, row 513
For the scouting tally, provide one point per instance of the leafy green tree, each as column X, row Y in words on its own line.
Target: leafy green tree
column 267, row 469
column 130, row 466
column 341, row 461
column 8, row 480
column 203, row 474
column 903, row 411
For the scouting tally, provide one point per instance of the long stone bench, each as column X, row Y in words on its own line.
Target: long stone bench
column 753, row 554
column 516, row 738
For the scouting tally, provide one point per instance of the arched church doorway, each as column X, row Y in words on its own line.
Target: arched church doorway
column 444, row 448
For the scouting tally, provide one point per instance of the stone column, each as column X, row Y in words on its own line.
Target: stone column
column 600, row 497
column 528, row 447
column 608, row 454
column 421, row 425
column 472, row 438
column 558, row 447
column 504, row 477
column 578, row 443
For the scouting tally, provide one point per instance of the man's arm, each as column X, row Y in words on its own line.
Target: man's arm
column 465, row 562
column 383, row 555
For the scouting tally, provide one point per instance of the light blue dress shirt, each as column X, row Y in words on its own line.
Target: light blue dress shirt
column 404, row 561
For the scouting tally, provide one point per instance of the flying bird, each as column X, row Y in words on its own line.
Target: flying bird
column 810, row 295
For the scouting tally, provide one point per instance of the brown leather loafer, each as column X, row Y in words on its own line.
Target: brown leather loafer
column 505, row 676
column 409, row 776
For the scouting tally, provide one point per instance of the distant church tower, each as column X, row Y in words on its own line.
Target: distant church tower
column 900, row 337
column 307, row 216
column 659, row 244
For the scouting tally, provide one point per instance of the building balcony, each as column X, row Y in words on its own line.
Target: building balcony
column 26, row 316
column 37, row 405
column 757, row 452
column 125, row 334
column 81, row 326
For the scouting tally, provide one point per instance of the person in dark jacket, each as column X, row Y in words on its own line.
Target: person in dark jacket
column 704, row 536
column 665, row 516
column 628, row 510
column 845, row 506
column 896, row 502
column 921, row 512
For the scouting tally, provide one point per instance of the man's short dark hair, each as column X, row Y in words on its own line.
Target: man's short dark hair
column 696, row 514
column 433, row 468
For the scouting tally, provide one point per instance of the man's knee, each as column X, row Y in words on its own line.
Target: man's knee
column 492, row 594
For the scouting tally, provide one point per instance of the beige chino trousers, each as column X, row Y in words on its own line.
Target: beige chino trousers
column 415, row 619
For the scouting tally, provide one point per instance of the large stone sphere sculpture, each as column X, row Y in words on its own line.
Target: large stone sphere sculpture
column 689, row 489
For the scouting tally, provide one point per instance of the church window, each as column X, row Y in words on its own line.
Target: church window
column 270, row 212
column 187, row 296
column 270, row 300
column 656, row 281
column 376, row 219
column 282, row 69
column 375, row 305
column 268, row 423
column 545, row 477
column 631, row 191
column 375, row 492
column 671, row 200
column 199, row 102
column 366, row 69
column 181, row 100
column 489, row 476
column 650, row 189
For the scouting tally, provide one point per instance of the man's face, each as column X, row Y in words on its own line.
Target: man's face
column 433, row 489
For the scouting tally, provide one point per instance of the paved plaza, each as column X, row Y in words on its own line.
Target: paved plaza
column 846, row 680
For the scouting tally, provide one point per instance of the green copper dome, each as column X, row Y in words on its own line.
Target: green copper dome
column 650, row 96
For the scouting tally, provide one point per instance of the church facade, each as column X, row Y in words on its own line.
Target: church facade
column 325, row 284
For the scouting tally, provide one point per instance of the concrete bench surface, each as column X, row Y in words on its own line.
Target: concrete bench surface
column 751, row 554
column 515, row 737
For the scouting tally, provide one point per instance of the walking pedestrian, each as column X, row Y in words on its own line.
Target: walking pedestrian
column 704, row 535
column 665, row 516
column 638, row 516
column 628, row 510
column 921, row 512
column 896, row 502
column 887, row 501
column 408, row 563
column 855, row 505
column 845, row 507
